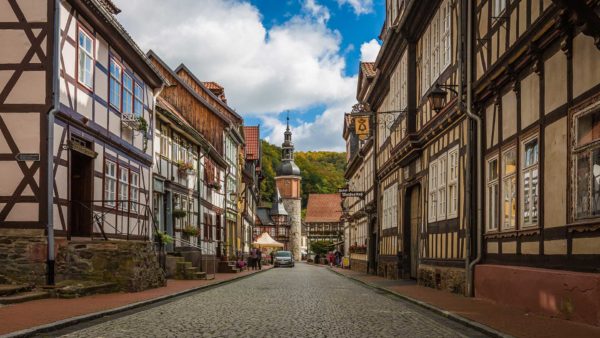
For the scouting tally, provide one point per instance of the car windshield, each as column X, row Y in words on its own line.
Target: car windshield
column 283, row 254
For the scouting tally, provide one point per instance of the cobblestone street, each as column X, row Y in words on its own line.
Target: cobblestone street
column 305, row 301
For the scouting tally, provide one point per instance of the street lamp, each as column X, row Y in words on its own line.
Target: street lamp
column 437, row 96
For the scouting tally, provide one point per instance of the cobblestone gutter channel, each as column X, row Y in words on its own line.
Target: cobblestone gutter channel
column 96, row 315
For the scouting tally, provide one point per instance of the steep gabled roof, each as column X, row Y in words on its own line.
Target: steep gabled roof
column 323, row 208
column 368, row 69
column 252, row 136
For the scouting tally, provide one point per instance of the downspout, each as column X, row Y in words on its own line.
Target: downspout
column 478, row 166
column 50, row 146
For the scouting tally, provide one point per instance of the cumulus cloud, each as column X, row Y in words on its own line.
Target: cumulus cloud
column 359, row 6
column 293, row 65
column 369, row 51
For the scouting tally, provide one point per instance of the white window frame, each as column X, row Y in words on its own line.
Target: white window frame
column 499, row 7
column 442, row 187
column 446, row 36
column 453, row 174
column 432, row 203
column 85, row 69
column 138, row 99
column 507, row 178
column 123, row 188
column 127, row 96
column 116, row 82
column 134, row 180
column 110, row 183
column 164, row 141
column 531, row 169
column 491, row 194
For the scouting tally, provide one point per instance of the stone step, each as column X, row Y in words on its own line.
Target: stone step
column 11, row 289
column 200, row 275
column 24, row 297
column 75, row 291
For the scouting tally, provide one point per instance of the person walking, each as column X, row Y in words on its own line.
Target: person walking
column 252, row 259
column 259, row 258
column 272, row 257
column 338, row 258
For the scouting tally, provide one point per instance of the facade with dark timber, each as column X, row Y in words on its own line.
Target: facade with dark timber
column 517, row 222
column 84, row 126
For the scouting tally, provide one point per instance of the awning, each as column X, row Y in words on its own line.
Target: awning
column 266, row 241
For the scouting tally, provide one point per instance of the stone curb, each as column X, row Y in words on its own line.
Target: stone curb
column 61, row 324
column 447, row 314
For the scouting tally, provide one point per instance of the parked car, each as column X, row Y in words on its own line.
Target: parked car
column 283, row 258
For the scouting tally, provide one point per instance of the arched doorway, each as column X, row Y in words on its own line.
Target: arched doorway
column 412, row 221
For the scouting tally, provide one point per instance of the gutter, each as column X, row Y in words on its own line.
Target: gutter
column 50, row 147
column 478, row 167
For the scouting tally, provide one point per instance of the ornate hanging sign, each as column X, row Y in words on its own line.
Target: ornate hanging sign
column 361, row 127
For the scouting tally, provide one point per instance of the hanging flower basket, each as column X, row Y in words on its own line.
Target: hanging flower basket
column 179, row 213
column 185, row 168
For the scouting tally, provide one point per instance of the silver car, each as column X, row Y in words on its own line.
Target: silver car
column 283, row 258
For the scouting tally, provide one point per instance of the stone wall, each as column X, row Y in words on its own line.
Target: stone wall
column 132, row 265
column 294, row 209
column 358, row 265
column 387, row 267
column 23, row 255
column 442, row 278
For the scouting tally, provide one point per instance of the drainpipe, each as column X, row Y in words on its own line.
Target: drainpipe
column 50, row 146
column 478, row 166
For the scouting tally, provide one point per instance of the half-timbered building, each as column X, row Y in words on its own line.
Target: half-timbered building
column 252, row 176
column 275, row 221
column 323, row 221
column 190, row 164
column 360, row 213
column 419, row 149
column 78, row 134
column 537, row 86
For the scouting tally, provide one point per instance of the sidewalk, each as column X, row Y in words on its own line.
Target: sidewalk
column 54, row 312
column 474, row 312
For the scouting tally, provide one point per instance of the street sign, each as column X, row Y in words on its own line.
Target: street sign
column 22, row 157
column 342, row 190
column 359, row 194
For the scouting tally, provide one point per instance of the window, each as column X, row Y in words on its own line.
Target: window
column 110, row 183
column 586, row 157
column 176, row 142
column 123, row 188
column 433, row 177
column 86, row 59
column 530, row 182
column 509, row 189
column 499, row 7
column 492, row 194
column 446, row 36
column 115, row 84
column 127, row 107
column 390, row 207
column 441, row 187
column 164, row 141
column 138, row 105
column 435, row 48
column 453, row 183
column 135, row 191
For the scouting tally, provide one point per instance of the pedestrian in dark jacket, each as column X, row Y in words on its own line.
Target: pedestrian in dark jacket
column 252, row 259
column 259, row 258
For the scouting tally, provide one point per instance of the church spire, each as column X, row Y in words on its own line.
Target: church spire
column 287, row 147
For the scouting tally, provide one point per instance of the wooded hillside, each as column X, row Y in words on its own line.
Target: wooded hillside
column 322, row 171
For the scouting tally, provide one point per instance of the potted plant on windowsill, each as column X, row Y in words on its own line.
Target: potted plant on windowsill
column 185, row 168
column 179, row 213
column 215, row 185
column 163, row 238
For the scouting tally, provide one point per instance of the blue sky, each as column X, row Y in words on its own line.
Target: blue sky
column 271, row 56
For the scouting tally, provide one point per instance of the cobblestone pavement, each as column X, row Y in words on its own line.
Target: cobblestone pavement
column 305, row 301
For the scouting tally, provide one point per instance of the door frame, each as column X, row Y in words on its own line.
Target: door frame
column 407, row 231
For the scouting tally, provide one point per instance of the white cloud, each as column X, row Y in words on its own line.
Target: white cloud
column 369, row 51
column 359, row 6
column 294, row 65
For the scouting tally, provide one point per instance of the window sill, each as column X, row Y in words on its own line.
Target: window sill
column 530, row 231
column 584, row 225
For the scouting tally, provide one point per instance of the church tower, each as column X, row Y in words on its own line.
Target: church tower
column 288, row 183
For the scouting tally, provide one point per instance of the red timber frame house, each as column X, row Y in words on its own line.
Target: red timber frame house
column 76, row 113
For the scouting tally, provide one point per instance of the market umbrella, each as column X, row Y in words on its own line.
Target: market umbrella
column 266, row 241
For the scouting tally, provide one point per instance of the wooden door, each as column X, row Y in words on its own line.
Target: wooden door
column 414, row 218
column 80, row 221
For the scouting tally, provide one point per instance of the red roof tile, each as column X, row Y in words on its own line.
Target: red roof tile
column 323, row 208
column 252, row 135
